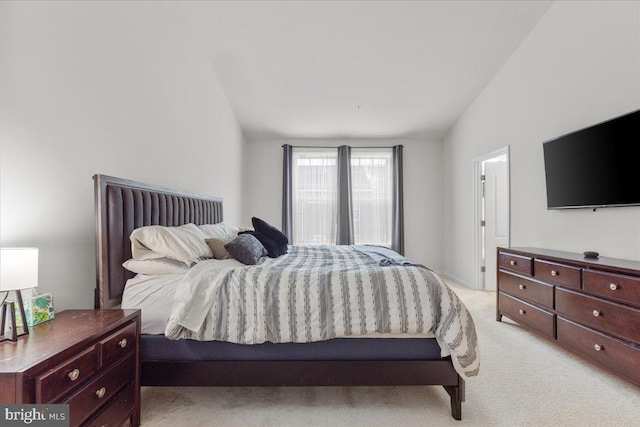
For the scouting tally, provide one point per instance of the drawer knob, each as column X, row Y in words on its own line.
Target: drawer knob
column 522, row 287
column 596, row 313
column 522, row 312
column 598, row 347
column 122, row 343
column 73, row 375
column 512, row 263
column 100, row 393
column 613, row 286
column 555, row 273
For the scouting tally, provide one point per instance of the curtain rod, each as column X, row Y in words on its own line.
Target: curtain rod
column 338, row 146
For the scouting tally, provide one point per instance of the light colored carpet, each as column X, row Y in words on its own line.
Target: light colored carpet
column 524, row 380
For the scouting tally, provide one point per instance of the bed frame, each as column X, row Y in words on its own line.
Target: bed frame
column 122, row 205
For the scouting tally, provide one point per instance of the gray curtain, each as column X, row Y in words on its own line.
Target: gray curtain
column 397, row 217
column 344, row 230
column 287, row 188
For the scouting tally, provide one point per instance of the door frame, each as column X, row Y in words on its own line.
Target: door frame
column 477, row 211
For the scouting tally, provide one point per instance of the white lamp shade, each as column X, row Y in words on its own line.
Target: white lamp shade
column 18, row 268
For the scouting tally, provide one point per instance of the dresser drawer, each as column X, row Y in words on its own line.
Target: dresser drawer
column 99, row 391
column 614, row 287
column 118, row 410
column 526, row 289
column 527, row 314
column 616, row 319
column 117, row 345
column 558, row 274
column 610, row 352
column 60, row 380
column 518, row 263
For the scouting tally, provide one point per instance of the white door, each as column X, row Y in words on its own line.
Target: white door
column 496, row 217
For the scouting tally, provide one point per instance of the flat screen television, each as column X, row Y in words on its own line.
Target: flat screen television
column 595, row 167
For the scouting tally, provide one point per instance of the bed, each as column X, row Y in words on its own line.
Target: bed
column 122, row 206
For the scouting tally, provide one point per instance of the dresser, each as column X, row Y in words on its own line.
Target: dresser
column 88, row 359
column 590, row 306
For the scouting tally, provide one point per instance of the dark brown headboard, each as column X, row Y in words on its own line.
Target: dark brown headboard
column 120, row 207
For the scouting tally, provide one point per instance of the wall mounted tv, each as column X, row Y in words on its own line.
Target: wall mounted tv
column 595, row 167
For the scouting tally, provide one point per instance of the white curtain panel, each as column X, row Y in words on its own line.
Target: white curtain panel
column 315, row 193
column 372, row 195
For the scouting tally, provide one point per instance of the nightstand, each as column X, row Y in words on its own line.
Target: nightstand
column 88, row 359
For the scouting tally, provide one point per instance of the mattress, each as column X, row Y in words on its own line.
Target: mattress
column 153, row 295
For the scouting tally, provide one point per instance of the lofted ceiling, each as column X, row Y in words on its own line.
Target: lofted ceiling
column 357, row 69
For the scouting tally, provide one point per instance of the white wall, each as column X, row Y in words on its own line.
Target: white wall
column 100, row 87
column 579, row 66
column 422, row 189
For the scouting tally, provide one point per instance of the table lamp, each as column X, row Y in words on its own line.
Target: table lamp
column 18, row 270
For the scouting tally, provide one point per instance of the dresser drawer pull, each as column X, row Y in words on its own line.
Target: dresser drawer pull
column 598, row 347
column 73, row 375
column 522, row 287
column 122, row 343
column 522, row 312
column 613, row 286
column 555, row 273
column 100, row 393
column 512, row 263
column 596, row 313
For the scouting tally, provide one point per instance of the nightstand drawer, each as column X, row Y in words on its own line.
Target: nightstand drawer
column 118, row 410
column 60, row 362
column 526, row 289
column 527, row 314
column 615, row 287
column 612, row 353
column 118, row 345
column 616, row 319
column 517, row 263
column 65, row 377
column 563, row 275
column 99, row 391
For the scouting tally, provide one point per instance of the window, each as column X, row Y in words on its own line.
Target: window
column 371, row 193
column 312, row 189
column 314, row 180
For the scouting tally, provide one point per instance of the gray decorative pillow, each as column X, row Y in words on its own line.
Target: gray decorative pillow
column 246, row 249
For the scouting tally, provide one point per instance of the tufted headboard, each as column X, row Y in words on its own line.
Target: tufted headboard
column 120, row 207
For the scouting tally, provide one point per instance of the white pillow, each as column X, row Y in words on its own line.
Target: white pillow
column 184, row 243
column 219, row 230
column 156, row 266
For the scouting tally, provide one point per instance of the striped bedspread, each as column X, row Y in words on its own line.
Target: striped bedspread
column 316, row 293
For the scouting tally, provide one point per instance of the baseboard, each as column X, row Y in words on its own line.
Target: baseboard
column 458, row 280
